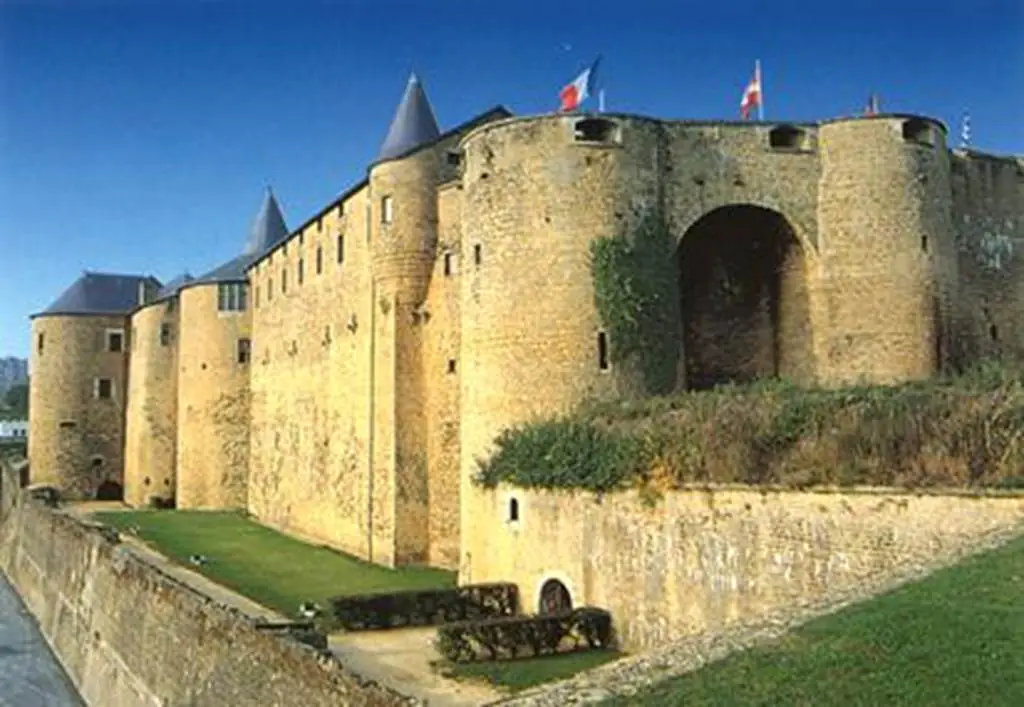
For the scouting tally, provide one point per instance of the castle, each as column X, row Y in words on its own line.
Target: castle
column 340, row 380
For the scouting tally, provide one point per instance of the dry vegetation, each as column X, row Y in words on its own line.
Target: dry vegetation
column 965, row 431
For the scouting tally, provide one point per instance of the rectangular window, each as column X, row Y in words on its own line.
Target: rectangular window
column 302, row 272
column 602, row 351
column 341, row 249
column 319, row 260
column 477, row 254
column 270, row 288
column 386, row 210
column 284, row 281
column 115, row 341
column 232, row 296
column 104, row 388
column 256, row 297
column 165, row 334
column 244, row 349
column 40, row 340
column 447, row 264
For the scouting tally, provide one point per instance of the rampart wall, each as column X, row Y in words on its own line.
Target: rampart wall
column 128, row 635
column 697, row 561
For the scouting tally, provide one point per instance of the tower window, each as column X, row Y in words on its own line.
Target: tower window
column 284, row 281
column 232, row 296
column 918, row 131
column 103, row 388
column 993, row 332
column 115, row 341
column 301, row 270
column 319, row 260
column 40, row 340
column 477, row 254
column 451, row 365
column 386, row 210
column 924, row 243
column 270, row 288
column 165, row 334
column 341, row 248
column 602, row 351
column 447, row 264
column 256, row 297
column 513, row 510
column 244, row 350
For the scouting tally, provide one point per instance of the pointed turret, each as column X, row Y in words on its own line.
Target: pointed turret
column 269, row 227
column 414, row 123
column 268, row 230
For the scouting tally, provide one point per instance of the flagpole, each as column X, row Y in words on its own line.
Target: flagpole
column 760, row 89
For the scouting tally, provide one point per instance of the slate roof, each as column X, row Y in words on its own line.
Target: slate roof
column 414, row 123
column 172, row 288
column 101, row 293
column 268, row 230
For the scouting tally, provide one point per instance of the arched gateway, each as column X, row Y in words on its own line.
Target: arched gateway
column 743, row 284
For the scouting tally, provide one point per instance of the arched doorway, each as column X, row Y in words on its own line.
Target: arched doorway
column 744, row 298
column 110, row 491
column 554, row 598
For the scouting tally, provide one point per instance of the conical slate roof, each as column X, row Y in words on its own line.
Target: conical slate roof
column 414, row 123
column 101, row 293
column 268, row 230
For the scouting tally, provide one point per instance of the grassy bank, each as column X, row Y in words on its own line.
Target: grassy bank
column 956, row 638
column 961, row 432
column 516, row 675
column 267, row 566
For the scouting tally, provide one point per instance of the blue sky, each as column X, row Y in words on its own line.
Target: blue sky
column 138, row 136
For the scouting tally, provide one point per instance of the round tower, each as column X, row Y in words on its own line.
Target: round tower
column 887, row 248
column 151, row 426
column 213, row 375
column 78, row 385
column 537, row 192
column 402, row 216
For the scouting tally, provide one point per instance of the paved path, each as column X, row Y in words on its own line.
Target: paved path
column 400, row 659
column 30, row 675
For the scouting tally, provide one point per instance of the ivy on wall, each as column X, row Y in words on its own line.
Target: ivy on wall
column 636, row 291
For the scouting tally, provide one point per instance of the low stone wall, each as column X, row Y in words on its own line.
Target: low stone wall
column 129, row 635
column 699, row 561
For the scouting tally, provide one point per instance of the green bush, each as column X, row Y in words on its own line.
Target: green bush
column 966, row 431
column 586, row 628
column 427, row 607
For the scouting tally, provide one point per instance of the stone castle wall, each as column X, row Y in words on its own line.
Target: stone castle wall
column 129, row 635
column 213, row 403
column 702, row 560
column 151, row 432
column 76, row 439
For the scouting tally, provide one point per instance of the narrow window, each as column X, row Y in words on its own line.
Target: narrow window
column 993, row 332
column 319, row 260
column 104, row 388
column 40, row 340
column 244, row 349
column 513, row 510
column 256, row 297
column 222, row 297
column 602, row 351
column 320, row 225
column 284, row 281
column 447, row 264
column 165, row 334
column 270, row 288
column 451, row 365
column 386, row 210
column 341, row 249
column 115, row 341
column 924, row 243
column 301, row 270
column 477, row 254
column 302, row 237
column 243, row 296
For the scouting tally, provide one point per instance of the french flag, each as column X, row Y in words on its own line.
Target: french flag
column 573, row 95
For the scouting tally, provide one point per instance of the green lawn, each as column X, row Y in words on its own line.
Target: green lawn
column 516, row 675
column 273, row 569
column 957, row 638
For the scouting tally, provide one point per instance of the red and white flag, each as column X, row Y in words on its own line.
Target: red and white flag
column 752, row 94
column 573, row 95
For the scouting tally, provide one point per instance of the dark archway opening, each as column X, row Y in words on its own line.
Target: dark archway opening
column 745, row 306
column 554, row 598
column 110, row 491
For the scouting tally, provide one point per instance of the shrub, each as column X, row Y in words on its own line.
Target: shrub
column 425, row 607
column 952, row 432
column 586, row 628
